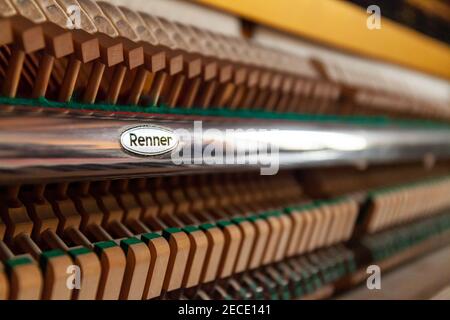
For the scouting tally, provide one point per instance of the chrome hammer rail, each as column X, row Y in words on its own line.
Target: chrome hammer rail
column 38, row 143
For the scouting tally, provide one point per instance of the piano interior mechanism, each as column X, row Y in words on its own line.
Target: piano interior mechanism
column 223, row 150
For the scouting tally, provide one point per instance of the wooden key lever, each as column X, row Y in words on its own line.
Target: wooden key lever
column 86, row 49
column 112, row 258
column 111, row 48
column 21, row 278
column 25, row 279
column 159, row 85
column 58, row 44
column 132, row 208
column 19, row 232
column 133, row 52
column 154, row 57
column 136, row 251
column 81, row 253
column 55, row 262
column 28, row 38
column 198, row 239
column 178, row 240
column 158, row 246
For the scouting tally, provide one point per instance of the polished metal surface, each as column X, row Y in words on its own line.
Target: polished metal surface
column 42, row 144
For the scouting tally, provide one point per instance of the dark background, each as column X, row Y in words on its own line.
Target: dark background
column 432, row 20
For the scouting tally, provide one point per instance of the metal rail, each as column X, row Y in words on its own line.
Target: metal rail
column 54, row 145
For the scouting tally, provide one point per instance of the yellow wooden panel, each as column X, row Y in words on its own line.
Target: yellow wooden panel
column 343, row 25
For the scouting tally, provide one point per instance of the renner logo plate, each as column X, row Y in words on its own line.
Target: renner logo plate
column 149, row 140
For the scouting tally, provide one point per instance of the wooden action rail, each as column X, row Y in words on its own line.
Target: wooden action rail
column 396, row 246
column 119, row 56
column 292, row 278
column 323, row 273
column 194, row 237
column 142, row 239
column 388, row 196
column 397, row 205
column 338, row 181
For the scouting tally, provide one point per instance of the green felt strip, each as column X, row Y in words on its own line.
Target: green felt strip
column 78, row 251
column 47, row 255
column 206, row 226
column 167, row 232
column 223, row 223
column 238, row 220
column 14, row 262
column 102, row 245
column 190, row 229
column 149, row 237
column 126, row 243
column 228, row 113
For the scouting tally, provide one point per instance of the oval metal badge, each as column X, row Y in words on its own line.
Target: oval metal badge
column 147, row 140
